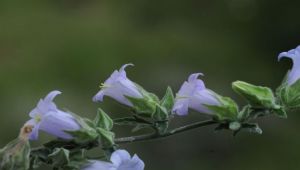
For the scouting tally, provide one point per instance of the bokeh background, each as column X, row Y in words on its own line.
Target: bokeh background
column 74, row 45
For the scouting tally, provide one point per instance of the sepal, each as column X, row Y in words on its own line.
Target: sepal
column 226, row 111
column 106, row 137
column 168, row 100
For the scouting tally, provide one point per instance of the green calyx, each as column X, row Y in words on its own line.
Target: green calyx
column 227, row 110
column 289, row 95
column 150, row 106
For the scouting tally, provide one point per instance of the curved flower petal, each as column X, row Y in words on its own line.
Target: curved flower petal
column 194, row 76
column 50, row 97
column 294, row 74
column 45, row 105
column 122, row 69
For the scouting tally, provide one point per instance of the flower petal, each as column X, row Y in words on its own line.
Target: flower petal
column 50, row 97
column 56, row 123
column 119, row 156
column 99, row 165
column 203, row 98
column 294, row 74
column 122, row 69
column 99, row 96
column 138, row 163
column 181, row 107
column 34, row 112
column 194, row 76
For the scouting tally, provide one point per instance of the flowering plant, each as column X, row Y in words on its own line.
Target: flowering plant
column 75, row 135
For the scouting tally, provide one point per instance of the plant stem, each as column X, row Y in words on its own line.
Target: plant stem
column 156, row 135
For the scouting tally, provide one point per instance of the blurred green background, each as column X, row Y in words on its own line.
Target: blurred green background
column 74, row 45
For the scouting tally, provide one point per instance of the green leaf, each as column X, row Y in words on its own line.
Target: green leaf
column 59, row 157
column 257, row 96
column 168, row 100
column 15, row 155
column 226, row 111
column 106, row 137
column 102, row 120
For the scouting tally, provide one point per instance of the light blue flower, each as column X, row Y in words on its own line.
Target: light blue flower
column 117, row 86
column 194, row 95
column 48, row 118
column 294, row 74
column 120, row 160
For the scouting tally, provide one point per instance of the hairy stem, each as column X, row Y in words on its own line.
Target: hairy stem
column 156, row 135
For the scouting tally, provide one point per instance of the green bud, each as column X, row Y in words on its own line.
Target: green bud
column 102, row 120
column 257, row 96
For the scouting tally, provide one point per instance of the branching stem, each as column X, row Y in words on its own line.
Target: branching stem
column 155, row 135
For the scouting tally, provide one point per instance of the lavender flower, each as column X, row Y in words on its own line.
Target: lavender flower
column 48, row 118
column 294, row 74
column 117, row 86
column 194, row 95
column 120, row 160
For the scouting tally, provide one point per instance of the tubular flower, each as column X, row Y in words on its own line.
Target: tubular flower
column 194, row 95
column 118, row 86
column 120, row 160
column 48, row 118
column 294, row 74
